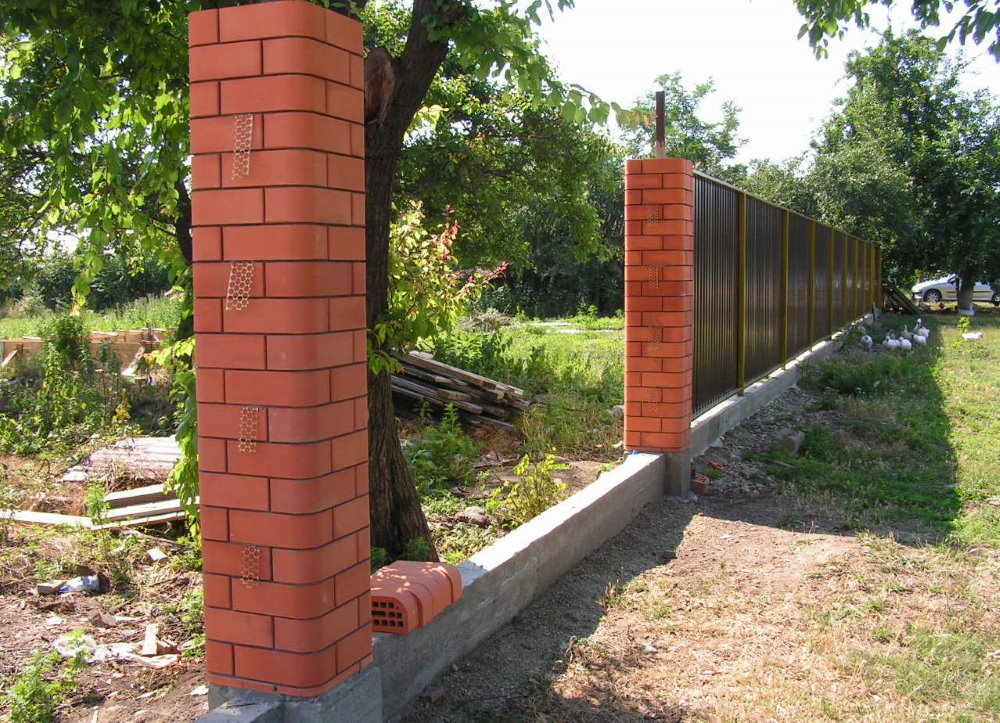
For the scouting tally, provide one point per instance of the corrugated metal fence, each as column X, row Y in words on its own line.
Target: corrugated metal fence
column 769, row 283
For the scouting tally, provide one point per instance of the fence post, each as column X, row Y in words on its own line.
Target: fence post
column 741, row 323
column 659, row 312
column 832, row 236
column 278, row 209
column 785, row 241
column 812, row 283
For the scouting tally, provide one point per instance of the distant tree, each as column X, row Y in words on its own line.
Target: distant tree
column 788, row 184
column 913, row 162
column 711, row 146
column 827, row 19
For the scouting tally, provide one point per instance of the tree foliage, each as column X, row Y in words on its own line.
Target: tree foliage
column 825, row 19
column 710, row 145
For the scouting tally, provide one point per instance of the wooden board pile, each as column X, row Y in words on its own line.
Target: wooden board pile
column 138, row 507
column 479, row 400
column 128, row 345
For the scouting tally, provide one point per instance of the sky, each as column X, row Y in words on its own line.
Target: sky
column 616, row 48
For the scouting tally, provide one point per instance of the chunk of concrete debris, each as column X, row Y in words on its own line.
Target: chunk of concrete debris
column 156, row 554
column 433, row 695
column 51, row 587
column 473, row 516
column 101, row 619
column 618, row 411
column 790, row 440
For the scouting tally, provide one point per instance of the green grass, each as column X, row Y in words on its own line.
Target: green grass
column 158, row 312
column 910, row 436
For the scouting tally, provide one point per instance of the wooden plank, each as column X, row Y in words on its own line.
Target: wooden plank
column 46, row 518
column 147, row 509
column 137, row 496
column 11, row 355
column 427, row 362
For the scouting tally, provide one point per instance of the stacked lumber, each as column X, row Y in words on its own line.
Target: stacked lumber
column 137, row 507
column 479, row 400
column 141, row 459
column 129, row 346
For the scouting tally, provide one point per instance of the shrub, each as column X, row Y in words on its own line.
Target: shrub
column 441, row 455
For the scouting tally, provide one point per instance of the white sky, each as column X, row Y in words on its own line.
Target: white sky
column 616, row 48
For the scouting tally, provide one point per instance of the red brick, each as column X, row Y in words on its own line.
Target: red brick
column 359, row 283
column 643, row 243
column 273, row 666
column 679, row 212
column 351, row 517
column 668, row 195
column 353, row 649
column 294, row 461
column 305, row 204
column 358, row 209
column 361, row 479
column 667, row 318
column 219, row 657
column 233, row 491
column 641, row 424
column 674, row 410
column 361, row 413
column 238, row 627
column 214, row 523
column 207, row 315
column 305, row 55
column 306, row 130
column 209, row 385
column 218, row 134
column 230, row 351
column 228, row 681
column 348, row 382
column 437, row 572
column 344, row 32
column 204, row 99
column 207, row 243
column 642, row 364
column 308, row 566
column 352, row 582
column 212, row 280
column 270, row 529
column 306, row 636
column 347, row 244
column 673, row 257
column 313, row 495
column 357, row 140
column 666, row 442
column 226, row 558
column 286, row 389
column 272, row 20
column 205, row 172
column 309, row 351
column 287, row 601
column 270, row 93
column 678, row 180
column 277, row 316
column 292, row 167
column 232, row 60
column 203, row 27
column 228, row 207
column 216, row 590
column 275, row 242
column 635, row 181
column 350, row 450
column 345, row 102
column 310, row 424
column 363, row 539
column 312, row 278
column 357, row 77
column 347, row 312
column 633, row 197
column 642, row 303
column 361, row 347
column 346, row 172
column 672, row 380
column 667, row 165
column 211, row 455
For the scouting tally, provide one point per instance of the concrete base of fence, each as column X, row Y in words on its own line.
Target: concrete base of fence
column 729, row 414
column 501, row 580
column 677, row 474
column 358, row 700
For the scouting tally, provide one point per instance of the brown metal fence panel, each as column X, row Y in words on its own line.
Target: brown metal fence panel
column 799, row 270
column 716, row 287
column 765, row 228
column 768, row 284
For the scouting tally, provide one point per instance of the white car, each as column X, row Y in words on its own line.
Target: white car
column 946, row 289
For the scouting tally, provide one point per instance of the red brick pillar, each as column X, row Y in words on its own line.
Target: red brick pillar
column 277, row 138
column 659, row 307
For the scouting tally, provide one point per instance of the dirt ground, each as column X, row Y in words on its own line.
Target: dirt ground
column 746, row 604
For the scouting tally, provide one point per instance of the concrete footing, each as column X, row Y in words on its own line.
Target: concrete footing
column 357, row 700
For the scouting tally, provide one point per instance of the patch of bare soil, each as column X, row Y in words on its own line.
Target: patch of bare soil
column 746, row 604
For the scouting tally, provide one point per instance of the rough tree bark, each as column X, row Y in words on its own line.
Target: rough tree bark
column 397, row 517
column 966, row 289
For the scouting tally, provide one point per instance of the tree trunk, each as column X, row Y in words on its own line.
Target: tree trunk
column 966, row 289
column 397, row 518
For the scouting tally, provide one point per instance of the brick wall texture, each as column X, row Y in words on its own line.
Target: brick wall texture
column 659, row 304
column 277, row 138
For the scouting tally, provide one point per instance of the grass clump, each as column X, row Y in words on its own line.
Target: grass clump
column 441, row 455
column 535, row 490
column 44, row 683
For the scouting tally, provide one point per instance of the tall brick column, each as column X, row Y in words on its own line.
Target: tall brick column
column 659, row 311
column 277, row 138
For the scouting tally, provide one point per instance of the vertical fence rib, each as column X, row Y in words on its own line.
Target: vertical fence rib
column 785, row 237
column 741, row 351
